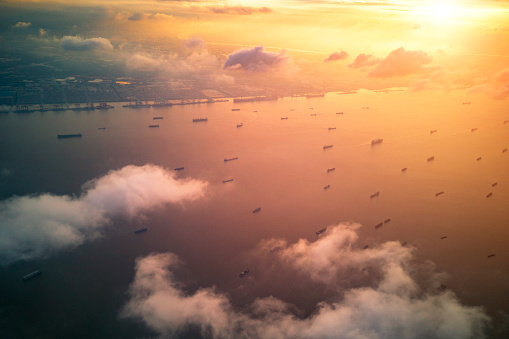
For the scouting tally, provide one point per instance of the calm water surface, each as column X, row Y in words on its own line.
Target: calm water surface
column 282, row 168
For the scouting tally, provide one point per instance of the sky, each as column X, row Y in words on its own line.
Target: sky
column 344, row 45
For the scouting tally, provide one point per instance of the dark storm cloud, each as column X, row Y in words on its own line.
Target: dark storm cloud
column 255, row 59
column 336, row 56
column 37, row 225
column 389, row 305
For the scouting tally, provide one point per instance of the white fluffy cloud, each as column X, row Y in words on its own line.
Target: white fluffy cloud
column 22, row 24
column 77, row 43
column 35, row 226
column 390, row 304
column 401, row 62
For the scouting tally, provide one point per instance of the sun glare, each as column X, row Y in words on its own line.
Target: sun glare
column 439, row 11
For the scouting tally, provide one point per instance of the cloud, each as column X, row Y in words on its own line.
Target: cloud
column 42, row 31
column 497, row 87
column 76, row 43
column 137, row 16
column 21, row 24
column 389, row 304
column 255, row 59
column 195, row 42
column 239, row 10
column 401, row 62
column 36, row 225
column 364, row 60
column 336, row 56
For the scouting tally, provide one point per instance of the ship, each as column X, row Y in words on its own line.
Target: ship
column 365, row 247
column 200, row 119
column 31, row 275
column 327, row 146
column 489, row 195
column 433, row 131
column 504, row 150
column 439, row 193
column 315, row 95
column 473, row 129
column 284, row 118
column 326, row 187
column 102, row 128
column 331, row 169
column 494, row 184
column 235, row 109
column 339, row 113
column 179, row 168
column 313, row 115
column 257, row 210
column 321, row 231
column 376, row 194
column 65, row 136
column 240, row 125
column 104, row 105
column 365, row 107
column 444, row 237
column 228, row 180
column 376, row 141
column 506, row 121
column 230, row 159
column 157, row 118
column 380, row 224
column 431, row 158
column 141, row 230
column 478, row 159
column 332, row 128
column 491, row 255
column 387, row 220
column 404, row 169
column 152, row 126
column 243, row 273
column 466, row 103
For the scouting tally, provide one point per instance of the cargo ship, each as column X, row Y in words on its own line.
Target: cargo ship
column 200, row 119
column 404, row 169
column 315, row 95
column 432, row 131
column 332, row 128
column 380, row 224
column 31, row 275
column 141, row 230
column 157, row 118
column 230, row 159
column 489, row 195
column 243, row 273
column 65, row 136
column 331, row 169
column 152, row 126
column 321, row 231
column 326, row 187
column 387, row 220
column 327, row 146
column 431, row 158
column 473, row 130
column 228, row 180
column 374, row 195
column 104, row 105
column 339, row 113
column 179, row 168
column 235, row 109
column 376, row 141
column 478, row 159
column 257, row 210
column 284, row 118
column 439, row 193
column 240, row 125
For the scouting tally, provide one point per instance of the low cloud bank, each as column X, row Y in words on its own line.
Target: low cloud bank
column 255, row 59
column 390, row 304
column 22, row 24
column 401, row 62
column 239, row 10
column 336, row 56
column 78, row 44
column 37, row 225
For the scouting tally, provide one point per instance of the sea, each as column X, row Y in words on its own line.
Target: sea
column 282, row 169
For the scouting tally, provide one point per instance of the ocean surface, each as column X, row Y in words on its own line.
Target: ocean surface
column 282, row 168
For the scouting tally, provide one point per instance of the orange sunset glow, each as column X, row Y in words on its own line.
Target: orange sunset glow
column 254, row 169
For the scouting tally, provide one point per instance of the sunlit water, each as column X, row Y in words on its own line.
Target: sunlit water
column 282, row 168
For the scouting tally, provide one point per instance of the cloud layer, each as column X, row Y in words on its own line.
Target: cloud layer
column 389, row 304
column 255, row 59
column 401, row 62
column 336, row 56
column 34, row 226
column 76, row 43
